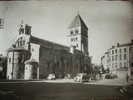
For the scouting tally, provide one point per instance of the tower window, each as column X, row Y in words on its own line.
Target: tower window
column 21, row 38
column 9, row 60
column 71, row 32
column 19, row 59
column 21, row 30
column 21, row 43
column 76, row 31
column 27, row 29
column 76, row 38
column 24, row 42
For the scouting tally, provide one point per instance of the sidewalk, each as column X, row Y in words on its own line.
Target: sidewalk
column 111, row 82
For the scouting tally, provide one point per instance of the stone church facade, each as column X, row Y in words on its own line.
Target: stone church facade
column 34, row 58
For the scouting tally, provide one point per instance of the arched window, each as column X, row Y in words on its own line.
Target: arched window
column 9, row 60
column 76, row 31
column 20, row 43
column 71, row 32
column 23, row 42
column 76, row 38
column 115, row 50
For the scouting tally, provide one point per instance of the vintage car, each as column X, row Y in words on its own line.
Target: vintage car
column 82, row 77
column 51, row 77
column 110, row 76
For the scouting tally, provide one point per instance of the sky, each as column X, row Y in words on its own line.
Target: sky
column 109, row 22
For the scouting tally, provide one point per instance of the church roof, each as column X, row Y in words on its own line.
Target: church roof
column 77, row 22
column 48, row 44
column 52, row 45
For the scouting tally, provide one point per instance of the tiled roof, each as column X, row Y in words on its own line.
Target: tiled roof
column 77, row 22
column 51, row 45
column 48, row 44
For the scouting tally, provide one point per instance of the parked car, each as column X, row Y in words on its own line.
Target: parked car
column 86, row 78
column 82, row 77
column 51, row 77
column 67, row 76
column 110, row 76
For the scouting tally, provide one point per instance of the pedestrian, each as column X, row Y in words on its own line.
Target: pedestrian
column 127, row 78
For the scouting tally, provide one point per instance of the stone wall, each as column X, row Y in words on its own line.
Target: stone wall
column 61, row 62
column 15, row 64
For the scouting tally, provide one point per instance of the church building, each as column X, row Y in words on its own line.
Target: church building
column 33, row 58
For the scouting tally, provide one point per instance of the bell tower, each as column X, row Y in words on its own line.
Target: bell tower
column 23, row 39
column 24, row 29
column 78, row 35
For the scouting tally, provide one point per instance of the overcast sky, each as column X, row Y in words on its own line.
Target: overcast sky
column 109, row 22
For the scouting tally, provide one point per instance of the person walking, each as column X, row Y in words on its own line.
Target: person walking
column 127, row 77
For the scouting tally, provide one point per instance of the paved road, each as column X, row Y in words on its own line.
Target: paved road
column 58, row 91
column 115, row 82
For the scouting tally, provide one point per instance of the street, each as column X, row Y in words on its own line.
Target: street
column 40, row 90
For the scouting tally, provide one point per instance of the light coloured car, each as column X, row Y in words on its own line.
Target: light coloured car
column 51, row 77
column 67, row 76
column 79, row 77
column 110, row 76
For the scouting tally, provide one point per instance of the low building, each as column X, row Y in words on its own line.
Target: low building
column 3, row 66
column 31, row 69
column 49, row 57
column 118, row 57
column 15, row 63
